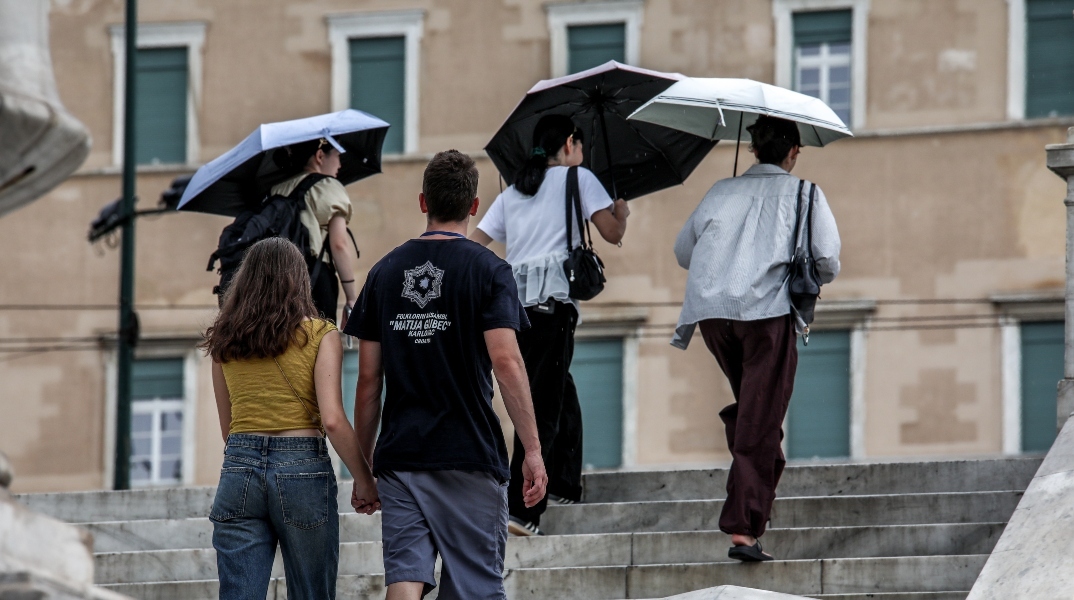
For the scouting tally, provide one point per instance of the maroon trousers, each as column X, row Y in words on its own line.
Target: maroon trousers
column 759, row 359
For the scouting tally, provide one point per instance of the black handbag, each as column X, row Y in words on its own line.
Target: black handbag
column 804, row 281
column 583, row 268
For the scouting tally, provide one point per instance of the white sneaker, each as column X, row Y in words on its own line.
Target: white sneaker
column 516, row 526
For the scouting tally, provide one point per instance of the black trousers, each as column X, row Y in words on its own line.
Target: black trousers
column 325, row 290
column 759, row 359
column 547, row 348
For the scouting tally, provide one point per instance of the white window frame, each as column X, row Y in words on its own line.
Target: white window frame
column 191, row 365
column 1016, row 60
column 159, row 35
column 625, row 326
column 342, row 28
column 155, row 408
column 783, row 13
column 562, row 16
column 1017, row 309
column 824, row 63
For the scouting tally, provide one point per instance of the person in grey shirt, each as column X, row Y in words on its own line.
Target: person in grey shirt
column 737, row 247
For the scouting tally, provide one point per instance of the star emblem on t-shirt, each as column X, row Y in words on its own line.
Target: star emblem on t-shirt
column 422, row 284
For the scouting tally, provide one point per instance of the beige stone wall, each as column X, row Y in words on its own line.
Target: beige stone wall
column 958, row 214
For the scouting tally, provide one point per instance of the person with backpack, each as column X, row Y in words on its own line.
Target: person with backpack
column 530, row 217
column 312, row 210
column 276, row 370
column 737, row 246
column 326, row 216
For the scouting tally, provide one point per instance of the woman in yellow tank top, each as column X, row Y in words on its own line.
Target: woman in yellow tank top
column 276, row 374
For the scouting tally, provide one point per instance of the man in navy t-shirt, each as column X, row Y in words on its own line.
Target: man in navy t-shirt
column 436, row 317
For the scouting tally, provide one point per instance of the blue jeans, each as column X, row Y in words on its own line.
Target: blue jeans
column 276, row 489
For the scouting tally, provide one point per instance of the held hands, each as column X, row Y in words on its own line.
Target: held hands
column 534, row 479
column 364, row 498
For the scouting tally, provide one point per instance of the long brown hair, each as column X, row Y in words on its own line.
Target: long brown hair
column 264, row 306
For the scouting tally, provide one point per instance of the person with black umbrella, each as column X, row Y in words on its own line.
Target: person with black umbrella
column 530, row 218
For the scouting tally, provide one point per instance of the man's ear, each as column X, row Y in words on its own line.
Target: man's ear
column 473, row 207
column 422, row 204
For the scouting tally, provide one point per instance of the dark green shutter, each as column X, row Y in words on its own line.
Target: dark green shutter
column 597, row 369
column 589, row 46
column 157, row 378
column 1042, row 368
column 818, row 421
column 160, row 106
column 378, row 84
column 1049, row 58
column 822, row 27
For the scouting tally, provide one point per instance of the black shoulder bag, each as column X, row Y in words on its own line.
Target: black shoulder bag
column 804, row 281
column 583, row 268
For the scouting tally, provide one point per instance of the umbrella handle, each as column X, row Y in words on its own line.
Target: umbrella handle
column 738, row 142
column 607, row 150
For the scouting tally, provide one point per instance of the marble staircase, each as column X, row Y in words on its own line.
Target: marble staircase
column 890, row 531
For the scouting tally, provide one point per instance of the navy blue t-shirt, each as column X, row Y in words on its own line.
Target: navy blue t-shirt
column 429, row 303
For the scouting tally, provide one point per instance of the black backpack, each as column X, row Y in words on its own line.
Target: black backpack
column 277, row 216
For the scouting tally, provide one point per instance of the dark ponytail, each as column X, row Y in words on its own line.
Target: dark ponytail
column 549, row 136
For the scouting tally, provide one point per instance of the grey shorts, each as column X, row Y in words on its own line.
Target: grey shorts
column 460, row 514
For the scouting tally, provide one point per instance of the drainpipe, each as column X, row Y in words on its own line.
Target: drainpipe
column 1061, row 162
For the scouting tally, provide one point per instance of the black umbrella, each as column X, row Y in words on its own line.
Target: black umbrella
column 631, row 158
column 240, row 178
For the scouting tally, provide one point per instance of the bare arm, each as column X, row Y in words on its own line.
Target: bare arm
column 223, row 399
column 339, row 244
column 367, row 396
column 480, row 237
column 510, row 373
column 326, row 378
column 611, row 222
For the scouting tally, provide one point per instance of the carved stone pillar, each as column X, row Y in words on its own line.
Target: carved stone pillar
column 1061, row 161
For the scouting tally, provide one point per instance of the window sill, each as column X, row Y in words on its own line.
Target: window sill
column 968, row 127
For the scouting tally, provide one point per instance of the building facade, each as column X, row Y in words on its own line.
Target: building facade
column 942, row 336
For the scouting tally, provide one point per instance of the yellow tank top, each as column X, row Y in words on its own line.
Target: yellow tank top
column 262, row 400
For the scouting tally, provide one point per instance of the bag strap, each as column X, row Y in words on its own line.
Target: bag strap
column 316, row 420
column 797, row 218
column 809, row 219
column 574, row 197
column 304, row 186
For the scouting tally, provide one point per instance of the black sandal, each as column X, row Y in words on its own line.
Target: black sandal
column 748, row 553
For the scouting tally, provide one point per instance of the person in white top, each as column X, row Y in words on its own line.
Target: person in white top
column 530, row 218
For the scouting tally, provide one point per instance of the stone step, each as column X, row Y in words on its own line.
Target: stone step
column 897, row 596
column 864, row 578
column 620, row 549
column 181, row 534
column 833, row 511
column 621, row 486
column 697, row 546
column 820, row 480
column 688, row 515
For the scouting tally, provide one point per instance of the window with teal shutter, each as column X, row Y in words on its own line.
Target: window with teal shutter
column 1049, row 58
column 378, row 84
column 597, row 369
column 160, row 108
column 1042, row 368
column 822, row 58
column 589, row 46
column 818, row 421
